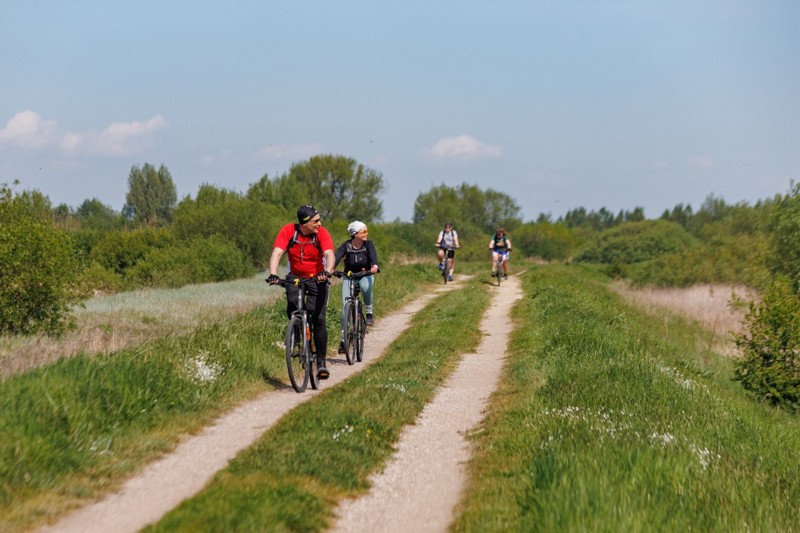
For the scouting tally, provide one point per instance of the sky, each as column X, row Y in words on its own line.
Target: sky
column 558, row 104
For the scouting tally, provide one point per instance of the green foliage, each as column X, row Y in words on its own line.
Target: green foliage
column 599, row 220
column 467, row 207
column 249, row 223
column 770, row 362
column 784, row 227
column 339, row 187
column 198, row 261
column 151, row 195
column 37, row 266
column 633, row 242
column 734, row 260
column 118, row 251
column 545, row 240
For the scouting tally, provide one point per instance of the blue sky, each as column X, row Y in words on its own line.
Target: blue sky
column 560, row 104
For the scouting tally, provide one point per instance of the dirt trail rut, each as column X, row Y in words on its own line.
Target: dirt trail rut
column 420, row 487
column 163, row 484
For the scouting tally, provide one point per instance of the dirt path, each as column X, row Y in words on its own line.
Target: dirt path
column 421, row 485
column 163, row 484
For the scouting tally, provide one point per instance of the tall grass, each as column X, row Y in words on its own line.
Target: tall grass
column 604, row 424
column 110, row 323
column 78, row 427
column 326, row 448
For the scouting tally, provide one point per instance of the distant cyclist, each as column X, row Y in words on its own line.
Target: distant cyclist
column 359, row 255
column 447, row 243
column 500, row 245
column 309, row 248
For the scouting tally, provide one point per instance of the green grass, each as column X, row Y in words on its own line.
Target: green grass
column 325, row 449
column 603, row 424
column 78, row 427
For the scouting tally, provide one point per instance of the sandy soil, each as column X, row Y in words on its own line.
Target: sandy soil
column 420, row 486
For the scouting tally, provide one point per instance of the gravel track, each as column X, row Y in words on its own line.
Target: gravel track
column 416, row 492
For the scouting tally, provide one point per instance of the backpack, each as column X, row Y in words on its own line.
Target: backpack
column 293, row 240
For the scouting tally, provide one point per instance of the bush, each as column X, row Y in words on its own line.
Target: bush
column 770, row 362
column 633, row 242
column 199, row 261
column 118, row 251
column 37, row 266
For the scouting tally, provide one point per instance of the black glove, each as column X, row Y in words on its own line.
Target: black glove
column 272, row 279
column 323, row 276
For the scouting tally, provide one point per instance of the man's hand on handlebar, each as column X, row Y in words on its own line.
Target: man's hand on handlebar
column 323, row 276
column 272, row 279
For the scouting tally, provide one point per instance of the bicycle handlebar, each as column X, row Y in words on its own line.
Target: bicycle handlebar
column 296, row 281
column 354, row 275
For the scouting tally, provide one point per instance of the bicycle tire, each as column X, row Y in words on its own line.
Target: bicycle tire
column 361, row 332
column 313, row 363
column 446, row 269
column 499, row 271
column 349, row 332
column 295, row 354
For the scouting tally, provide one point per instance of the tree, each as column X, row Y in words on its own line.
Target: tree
column 37, row 266
column 151, row 195
column 338, row 187
column 467, row 206
column 784, row 226
column 248, row 221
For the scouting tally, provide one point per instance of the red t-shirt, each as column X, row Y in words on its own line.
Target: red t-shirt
column 305, row 259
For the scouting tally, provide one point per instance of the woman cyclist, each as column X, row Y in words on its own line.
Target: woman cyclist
column 500, row 245
column 359, row 255
column 447, row 242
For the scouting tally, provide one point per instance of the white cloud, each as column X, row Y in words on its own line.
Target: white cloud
column 291, row 151
column 463, row 147
column 30, row 131
column 701, row 162
column 124, row 138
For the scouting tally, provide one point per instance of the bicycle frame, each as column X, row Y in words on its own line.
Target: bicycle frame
column 353, row 315
column 300, row 326
column 448, row 262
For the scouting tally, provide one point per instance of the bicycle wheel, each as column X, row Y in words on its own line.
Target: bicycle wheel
column 499, row 272
column 295, row 354
column 446, row 269
column 350, row 332
column 361, row 332
column 313, row 365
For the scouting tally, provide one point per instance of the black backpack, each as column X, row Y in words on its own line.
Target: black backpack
column 293, row 240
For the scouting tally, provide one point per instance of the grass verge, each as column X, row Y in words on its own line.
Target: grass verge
column 602, row 423
column 77, row 428
column 325, row 449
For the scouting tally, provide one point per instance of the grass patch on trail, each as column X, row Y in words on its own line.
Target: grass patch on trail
column 325, row 449
column 77, row 428
column 604, row 424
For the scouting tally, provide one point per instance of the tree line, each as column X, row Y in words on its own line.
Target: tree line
column 52, row 257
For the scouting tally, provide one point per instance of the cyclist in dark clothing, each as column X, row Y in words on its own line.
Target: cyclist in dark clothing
column 500, row 245
column 359, row 255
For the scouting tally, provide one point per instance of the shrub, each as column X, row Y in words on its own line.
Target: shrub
column 37, row 266
column 770, row 362
column 633, row 242
column 199, row 261
column 119, row 251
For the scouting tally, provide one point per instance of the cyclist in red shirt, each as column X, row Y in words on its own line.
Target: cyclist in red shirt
column 309, row 249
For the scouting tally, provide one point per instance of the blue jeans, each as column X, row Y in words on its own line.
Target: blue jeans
column 366, row 284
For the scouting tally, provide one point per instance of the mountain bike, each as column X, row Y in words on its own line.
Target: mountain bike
column 355, row 325
column 448, row 262
column 501, row 257
column 498, row 272
column 301, row 357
